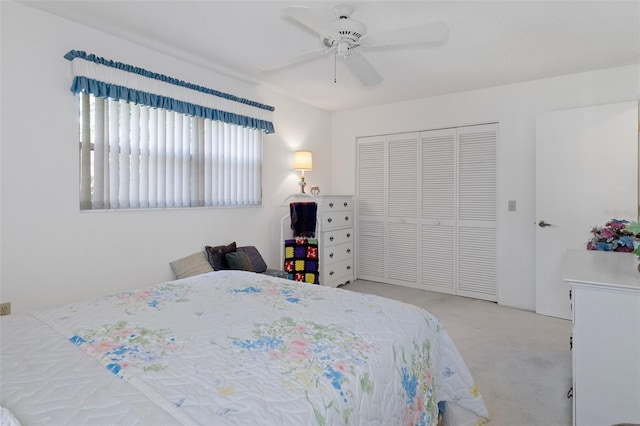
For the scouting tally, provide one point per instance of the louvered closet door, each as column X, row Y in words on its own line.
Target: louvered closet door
column 477, row 212
column 371, row 190
column 402, row 208
column 438, row 232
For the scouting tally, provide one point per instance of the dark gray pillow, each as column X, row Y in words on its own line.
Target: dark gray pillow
column 215, row 255
column 238, row 260
column 258, row 263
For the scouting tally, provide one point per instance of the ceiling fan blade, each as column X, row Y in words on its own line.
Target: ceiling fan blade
column 307, row 17
column 435, row 32
column 359, row 65
column 295, row 59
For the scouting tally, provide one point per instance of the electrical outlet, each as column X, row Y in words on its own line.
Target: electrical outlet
column 5, row 308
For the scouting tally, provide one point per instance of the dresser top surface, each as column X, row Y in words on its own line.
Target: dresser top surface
column 601, row 268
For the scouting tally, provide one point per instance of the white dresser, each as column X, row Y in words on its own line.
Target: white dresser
column 335, row 238
column 606, row 336
column 335, row 234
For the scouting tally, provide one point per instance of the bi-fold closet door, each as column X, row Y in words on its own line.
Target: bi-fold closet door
column 427, row 210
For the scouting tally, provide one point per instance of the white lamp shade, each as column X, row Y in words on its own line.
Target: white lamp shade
column 302, row 160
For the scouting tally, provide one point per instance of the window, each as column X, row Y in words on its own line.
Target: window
column 135, row 156
column 159, row 142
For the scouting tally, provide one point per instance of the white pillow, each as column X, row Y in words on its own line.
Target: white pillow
column 191, row 265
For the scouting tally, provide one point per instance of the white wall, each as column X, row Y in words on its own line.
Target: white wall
column 52, row 253
column 515, row 107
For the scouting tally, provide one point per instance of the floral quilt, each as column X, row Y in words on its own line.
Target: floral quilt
column 239, row 348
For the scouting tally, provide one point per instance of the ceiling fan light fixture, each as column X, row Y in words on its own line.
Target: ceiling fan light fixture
column 343, row 48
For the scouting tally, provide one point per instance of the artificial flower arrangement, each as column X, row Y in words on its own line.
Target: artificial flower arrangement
column 616, row 235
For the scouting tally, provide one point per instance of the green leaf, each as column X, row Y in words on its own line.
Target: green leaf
column 633, row 227
column 154, row 367
column 366, row 384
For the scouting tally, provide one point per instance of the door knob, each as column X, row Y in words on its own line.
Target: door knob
column 543, row 224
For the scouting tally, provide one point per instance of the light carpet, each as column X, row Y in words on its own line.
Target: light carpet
column 521, row 361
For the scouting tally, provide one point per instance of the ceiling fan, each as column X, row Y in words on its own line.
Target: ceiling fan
column 346, row 37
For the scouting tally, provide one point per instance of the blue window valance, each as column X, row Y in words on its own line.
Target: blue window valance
column 106, row 78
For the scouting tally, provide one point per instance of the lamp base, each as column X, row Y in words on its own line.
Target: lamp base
column 302, row 184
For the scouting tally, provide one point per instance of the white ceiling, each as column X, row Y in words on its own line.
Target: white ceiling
column 490, row 42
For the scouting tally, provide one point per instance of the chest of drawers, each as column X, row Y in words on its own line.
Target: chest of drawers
column 606, row 336
column 335, row 233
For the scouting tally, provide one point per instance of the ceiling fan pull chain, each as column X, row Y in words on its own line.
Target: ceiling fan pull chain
column 335, row 67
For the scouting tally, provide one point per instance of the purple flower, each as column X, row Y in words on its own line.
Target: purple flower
column 612, row 237
column 617, row 224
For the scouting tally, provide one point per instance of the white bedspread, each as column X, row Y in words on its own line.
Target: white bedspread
column 232, row 348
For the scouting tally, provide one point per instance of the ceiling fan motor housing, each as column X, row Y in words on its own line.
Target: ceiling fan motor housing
column 350, row 33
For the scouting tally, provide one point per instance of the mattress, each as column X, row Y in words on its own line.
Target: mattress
column 233, row 348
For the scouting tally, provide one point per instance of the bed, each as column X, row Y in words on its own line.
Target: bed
column 234, row 348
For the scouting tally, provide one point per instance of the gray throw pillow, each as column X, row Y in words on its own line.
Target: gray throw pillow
column 258, row 263
column 239, row 260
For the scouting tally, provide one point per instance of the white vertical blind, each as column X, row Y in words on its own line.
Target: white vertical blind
column 114, row 153
column 169, row 160
column 124, row 155
column 186, row 160
column 85, row 152
column 144, row 157
column 100, row 158
column 133, row 156
column 134, row 188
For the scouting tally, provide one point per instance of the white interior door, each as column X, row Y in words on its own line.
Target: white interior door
column 402, row 208
column 371, row 211
column 438, row 248
column 586, row 174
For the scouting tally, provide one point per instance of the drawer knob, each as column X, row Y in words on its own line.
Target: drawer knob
column 346, row 218
column 329, row 220
column 331, row 238
column 331, row 273
column 348, row 250
column 348, row 268
column 349, row 235
column 331, row 205
column 346, row 204
column 331, row 255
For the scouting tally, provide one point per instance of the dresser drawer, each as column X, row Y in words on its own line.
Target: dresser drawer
column 335, row 220
column 337, row 271
column 338, row 281
column 330, row 204
column 340, row 236
column 337, row 253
